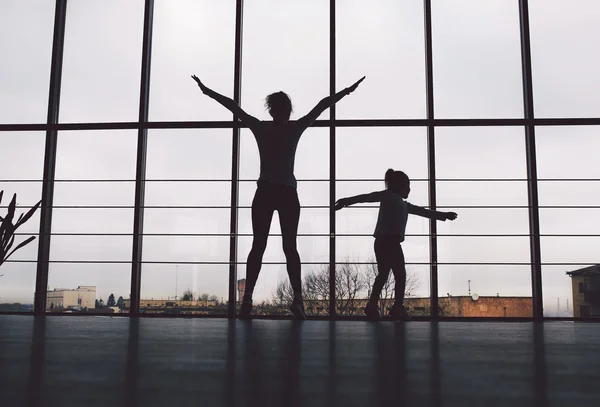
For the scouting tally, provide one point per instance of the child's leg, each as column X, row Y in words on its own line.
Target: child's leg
column 383, row 258
column 399, row 269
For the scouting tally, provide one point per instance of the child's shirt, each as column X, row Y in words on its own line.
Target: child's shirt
column 394, row 211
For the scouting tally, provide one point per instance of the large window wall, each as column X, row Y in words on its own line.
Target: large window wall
column 147, row 184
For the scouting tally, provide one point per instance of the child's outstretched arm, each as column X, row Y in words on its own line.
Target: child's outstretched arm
column 372, row 197
column 427, row 213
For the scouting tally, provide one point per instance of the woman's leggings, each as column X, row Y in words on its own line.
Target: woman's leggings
column 268, row 199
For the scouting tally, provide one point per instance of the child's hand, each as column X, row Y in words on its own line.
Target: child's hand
column 340, row 204
column 451, row 215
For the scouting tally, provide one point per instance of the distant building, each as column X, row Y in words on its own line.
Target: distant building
column 241, row 288
column 586, row 291
column 474, row 306
column 172, row 306
column 82, row 297
column 461, row 306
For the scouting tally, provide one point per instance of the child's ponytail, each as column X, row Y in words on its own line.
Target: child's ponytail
column 389, row 174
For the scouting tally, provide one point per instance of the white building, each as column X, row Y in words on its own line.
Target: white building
column 84, row 296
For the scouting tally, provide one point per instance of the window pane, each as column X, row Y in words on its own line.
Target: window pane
column 477, row 167
column 389, row 50
column 21, row 165
column 77, row 287
column 186, row 221
column 477, row 59
column 485, row 291
column 363, row 156
column 17, row 286
column 188, row 192
column 566, row 162
column 369, row 152
column 565, row 77
column 179, row 50
column 102, row 61
column 280, row 53
column 26, row 53
column 189, row 155
column 107, row 155
column 186, row 249
column 90, row 168
column 185, row 289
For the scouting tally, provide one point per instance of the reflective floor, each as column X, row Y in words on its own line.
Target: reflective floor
column 111, row 361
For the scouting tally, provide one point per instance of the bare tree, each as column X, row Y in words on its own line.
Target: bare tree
column 349, row 286
column 352, row 282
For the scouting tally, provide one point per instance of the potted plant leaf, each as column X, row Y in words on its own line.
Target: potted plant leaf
column 8, row 228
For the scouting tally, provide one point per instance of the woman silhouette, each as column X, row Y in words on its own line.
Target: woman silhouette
column 277, row 140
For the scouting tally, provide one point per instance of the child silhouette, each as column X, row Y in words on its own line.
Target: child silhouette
column 389, row 234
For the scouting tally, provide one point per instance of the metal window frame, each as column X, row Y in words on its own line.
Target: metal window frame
column 140, row 178
column 52, row 126
column 58, row 42
column 235, row 161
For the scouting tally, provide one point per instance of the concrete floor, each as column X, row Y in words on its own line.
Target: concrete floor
column 111, row 361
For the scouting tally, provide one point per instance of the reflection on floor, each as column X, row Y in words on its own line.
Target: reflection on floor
column 111, row 361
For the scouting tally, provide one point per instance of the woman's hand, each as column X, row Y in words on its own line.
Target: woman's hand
column 353, row 87
column 202, row 87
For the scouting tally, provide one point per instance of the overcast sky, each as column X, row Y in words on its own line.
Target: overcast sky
column 477, row 74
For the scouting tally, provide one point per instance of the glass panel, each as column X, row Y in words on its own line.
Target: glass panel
column 21, row 161
column 498, row 193
column 477, row 59
column 476, row 166
column 88, row 287
column 565, row 78
column 186, row 249
column 189, row 154
column 187, row 193
column 485, row 291
column 389, row 50
column 98, row 161
column 102, row 61
column 84, row 220
column 185, row 289
column 26, row 53
column 567, row 170
column 17, row 284
column 294, row 59
column 186, row 221
column 179, row 50
column 567, row 152
column 369, row 152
